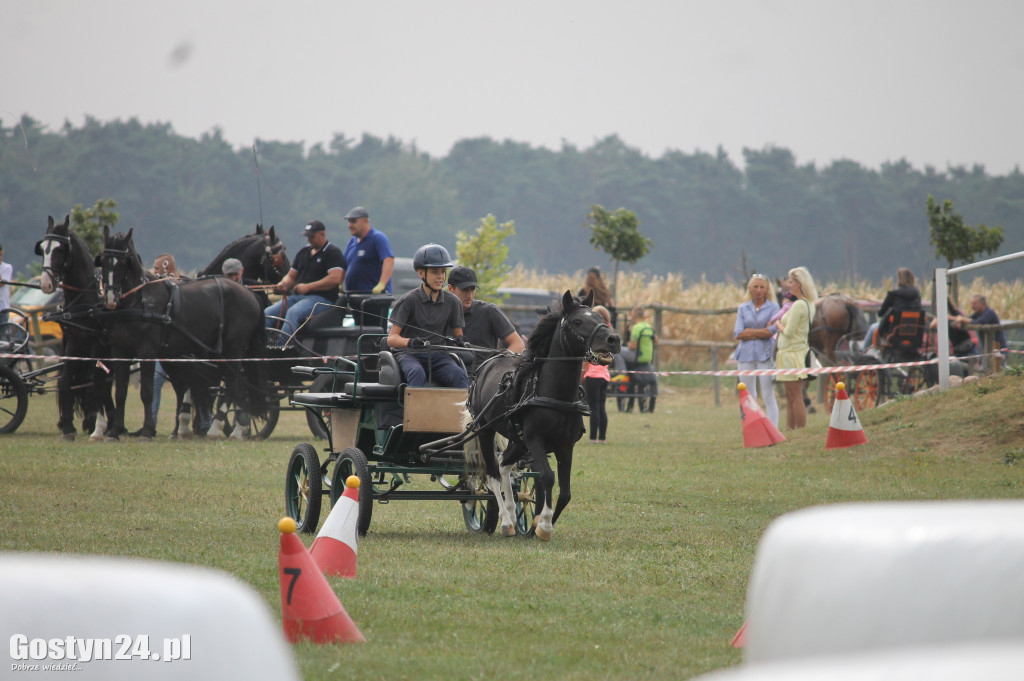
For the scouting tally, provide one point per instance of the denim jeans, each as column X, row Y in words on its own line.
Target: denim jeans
column 298, row 308
column 443, row 369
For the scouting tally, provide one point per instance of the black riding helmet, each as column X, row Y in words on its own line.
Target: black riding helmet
column 431, row 255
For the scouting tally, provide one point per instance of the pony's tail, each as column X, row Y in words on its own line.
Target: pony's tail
column 255, row 372
column 473, row 457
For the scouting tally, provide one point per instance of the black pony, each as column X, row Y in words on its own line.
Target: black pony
column 263, row 256
column 151, row 318
column 534, row 401
column 82, row 386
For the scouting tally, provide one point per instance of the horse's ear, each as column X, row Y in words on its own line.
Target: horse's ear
column 106, row 233
column 67, row 221
column 98, row 261
column 567, row 301
column 128, row 236
column 49, row 224
column 259, row 228
column 273, row 236
column 589, row 300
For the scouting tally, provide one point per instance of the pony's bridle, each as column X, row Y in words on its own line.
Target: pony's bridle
column 275, row 252
column 113, row 256
column 58, row 277
column 588, row 354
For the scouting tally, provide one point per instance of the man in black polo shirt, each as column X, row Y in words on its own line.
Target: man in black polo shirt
column 315, row 275
column 428, row 315
column 486, row 325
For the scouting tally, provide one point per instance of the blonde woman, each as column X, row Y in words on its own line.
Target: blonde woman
column 755, row 335
column 794, row 327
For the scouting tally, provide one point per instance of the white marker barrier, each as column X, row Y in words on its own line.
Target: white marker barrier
column 968, row 662
column 865, row 577
column 115, row 619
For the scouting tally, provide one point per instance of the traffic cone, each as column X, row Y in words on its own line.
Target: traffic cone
column 309, row 608
column 334, row 549
column 740, row 639
column 758, row 431
column 844, row 430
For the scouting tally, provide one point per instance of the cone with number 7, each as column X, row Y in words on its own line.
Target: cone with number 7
column 844, row 430
column 309, row 608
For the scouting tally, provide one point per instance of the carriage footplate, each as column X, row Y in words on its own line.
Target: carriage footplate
column 397, row 480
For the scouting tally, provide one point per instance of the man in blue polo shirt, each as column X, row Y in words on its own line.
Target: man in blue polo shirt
column 370, row 262
column 313, row 280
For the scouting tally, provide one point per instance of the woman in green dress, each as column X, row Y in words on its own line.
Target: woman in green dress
column 794, row 328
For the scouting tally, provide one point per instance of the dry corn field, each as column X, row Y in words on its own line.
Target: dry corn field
column 673, row 290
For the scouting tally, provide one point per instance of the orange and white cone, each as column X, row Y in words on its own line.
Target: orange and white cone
column 335, row 547
column 309, row 608
column 758, row 431
column 740, row 639
column 844, row 430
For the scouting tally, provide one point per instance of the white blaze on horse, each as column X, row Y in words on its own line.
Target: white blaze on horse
column 535, row 401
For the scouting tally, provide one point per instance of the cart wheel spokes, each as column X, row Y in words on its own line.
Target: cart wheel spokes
column 524, row 487
column 480, row 515
column 13, row 400
column 303, row 488
column 352, row 461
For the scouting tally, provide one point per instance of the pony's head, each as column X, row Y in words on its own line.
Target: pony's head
column 66, row 258
column 263, row 255
column 581, row 331
column 120, row 266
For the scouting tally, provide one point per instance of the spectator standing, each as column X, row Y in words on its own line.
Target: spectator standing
column 165, row 268
column 756, row 339
column 639, row 356
column 794, row 328
column 486, row 325
column 596, row 378
column 235, row 271
column 312, row 282
column 6, row 274
column 593, row 281
column 370, row 263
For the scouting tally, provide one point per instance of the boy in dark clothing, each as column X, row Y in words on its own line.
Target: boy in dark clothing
column 428, row 314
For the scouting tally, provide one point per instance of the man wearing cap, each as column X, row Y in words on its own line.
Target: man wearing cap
column 313, row 280
column 235, row 271
column 486, row 325
column 370, row 263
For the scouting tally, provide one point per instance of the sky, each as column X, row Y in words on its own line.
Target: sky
column 936, row 82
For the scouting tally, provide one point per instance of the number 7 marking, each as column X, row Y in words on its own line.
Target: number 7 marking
column 294, row 572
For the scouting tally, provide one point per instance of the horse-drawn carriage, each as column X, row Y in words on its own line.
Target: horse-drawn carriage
column 389, row 434
column 836, row 339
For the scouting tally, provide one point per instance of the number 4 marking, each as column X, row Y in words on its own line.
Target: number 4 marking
column 853, row 415
column 294, row 572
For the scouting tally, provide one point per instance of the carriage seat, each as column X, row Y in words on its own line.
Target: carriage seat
column 904, row 334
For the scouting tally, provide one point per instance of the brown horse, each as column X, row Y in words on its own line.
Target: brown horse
column 837, row 322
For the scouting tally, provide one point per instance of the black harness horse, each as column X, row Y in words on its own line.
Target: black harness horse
column 263, row 256
column 81, row 386
column 534, row 401
column 151, row 318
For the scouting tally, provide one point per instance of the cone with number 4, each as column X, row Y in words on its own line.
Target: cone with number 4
column 844, row 430
column 309, row 608
column 758, row 431
column 335, row 547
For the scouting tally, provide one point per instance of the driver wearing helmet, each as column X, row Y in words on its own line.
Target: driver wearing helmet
column 428, row 314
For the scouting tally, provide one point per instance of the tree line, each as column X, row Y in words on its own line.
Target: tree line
column 704, row 215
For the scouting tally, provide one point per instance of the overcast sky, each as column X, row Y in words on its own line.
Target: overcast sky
column 936, row 82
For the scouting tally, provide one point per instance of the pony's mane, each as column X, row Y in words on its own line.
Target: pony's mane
column 539, row 342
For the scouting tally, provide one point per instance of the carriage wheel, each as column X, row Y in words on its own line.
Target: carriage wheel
column 260, row 426
column 525, row 489
column 314, row 415
column 479, row 516
column 867, row 389
column 352, row 461
column 13, row 400
column 912, row 381
column 303, row 487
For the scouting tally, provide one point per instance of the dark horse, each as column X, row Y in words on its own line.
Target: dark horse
column 151, row 318
column 534, row 401
column 82, row 386
column 836, row 323
column 263, row 255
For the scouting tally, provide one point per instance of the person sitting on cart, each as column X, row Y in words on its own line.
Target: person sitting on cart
column 311, row 284
column 428, row 315
column 486, row 325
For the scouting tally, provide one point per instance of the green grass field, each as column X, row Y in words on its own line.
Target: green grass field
column 645, row 577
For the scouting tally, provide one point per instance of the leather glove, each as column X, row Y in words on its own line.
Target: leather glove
column 463, row 342
column 416, row 343
column 379, row 288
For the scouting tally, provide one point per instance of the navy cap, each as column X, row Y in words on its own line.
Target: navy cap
column 313, row 226
column 356, row 213
column 462, row 277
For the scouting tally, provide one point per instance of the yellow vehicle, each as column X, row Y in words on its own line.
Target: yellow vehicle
column 33, row 302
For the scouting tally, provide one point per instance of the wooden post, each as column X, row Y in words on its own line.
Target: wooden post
column 714, row 367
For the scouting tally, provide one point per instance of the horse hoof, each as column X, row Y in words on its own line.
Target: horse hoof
column 508, row 530
column 145, row 438
column 68, row 437
column 543, row 535
column 96, row 438
column 187, row 435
